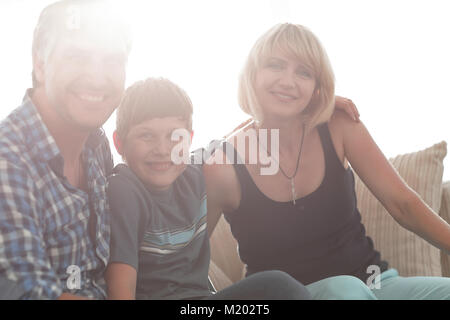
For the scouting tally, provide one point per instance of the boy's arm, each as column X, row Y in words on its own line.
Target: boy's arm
column 127, row 226
column 121, row 279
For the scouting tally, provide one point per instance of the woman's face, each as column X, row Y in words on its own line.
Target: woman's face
column 284, row 85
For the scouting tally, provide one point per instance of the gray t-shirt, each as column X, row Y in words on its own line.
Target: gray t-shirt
column 161, row 234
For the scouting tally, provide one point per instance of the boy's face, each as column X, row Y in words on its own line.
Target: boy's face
column 147, row 150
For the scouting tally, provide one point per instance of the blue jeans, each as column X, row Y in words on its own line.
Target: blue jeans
column 391, row 287
column 266, row 285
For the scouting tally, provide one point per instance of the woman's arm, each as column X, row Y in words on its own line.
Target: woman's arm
column 402, row 202
column 223, row 190
column 121, row 281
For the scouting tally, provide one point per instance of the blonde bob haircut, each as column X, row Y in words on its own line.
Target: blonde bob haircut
column 302, row 43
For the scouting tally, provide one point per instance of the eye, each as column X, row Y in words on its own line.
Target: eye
column 304, row 73
column 274, row 65
column 76, row 58
column 146, row 136
column 114, row 60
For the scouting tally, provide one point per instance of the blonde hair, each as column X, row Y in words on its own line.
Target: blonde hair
column 303, row 44
column 55, row 23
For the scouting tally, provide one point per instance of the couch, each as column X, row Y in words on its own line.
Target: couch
column 405, row 251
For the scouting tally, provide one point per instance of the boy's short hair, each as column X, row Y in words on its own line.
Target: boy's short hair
column 152, row 98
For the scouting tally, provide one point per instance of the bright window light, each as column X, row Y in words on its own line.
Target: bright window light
column 390, row 57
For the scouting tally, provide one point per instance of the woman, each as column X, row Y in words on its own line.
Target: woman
column 303, row 219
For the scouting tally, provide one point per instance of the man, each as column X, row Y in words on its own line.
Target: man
column 54, row 159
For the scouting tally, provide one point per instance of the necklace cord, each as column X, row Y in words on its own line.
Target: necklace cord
column 298, row 157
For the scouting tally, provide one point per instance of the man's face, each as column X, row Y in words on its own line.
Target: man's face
column 84, row 78
column 147, row 150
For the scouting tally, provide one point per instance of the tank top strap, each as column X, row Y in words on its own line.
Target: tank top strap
column 245, row 180
column 331, row 158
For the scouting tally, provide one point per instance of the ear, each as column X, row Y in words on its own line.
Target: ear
column 117, row 143
column 38, row 69
column 192, row 135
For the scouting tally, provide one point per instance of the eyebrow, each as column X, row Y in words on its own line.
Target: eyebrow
column 301, row 64
column 277, row 59
column 73, row 50
column 139, row 130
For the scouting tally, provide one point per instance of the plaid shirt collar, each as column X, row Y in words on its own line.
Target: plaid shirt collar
column 41, row 143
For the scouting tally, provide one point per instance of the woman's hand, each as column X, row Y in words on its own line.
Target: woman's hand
column 340, row 103
column 348, row 106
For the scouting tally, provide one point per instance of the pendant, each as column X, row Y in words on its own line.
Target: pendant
column 293, row 191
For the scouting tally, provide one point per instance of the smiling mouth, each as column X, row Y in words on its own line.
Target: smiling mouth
column 91, row 97
column 160, row 166
column 283, row 96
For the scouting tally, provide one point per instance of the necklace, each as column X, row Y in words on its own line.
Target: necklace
column 291, row 178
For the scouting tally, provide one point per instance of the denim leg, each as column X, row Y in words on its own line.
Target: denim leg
column 267, row 285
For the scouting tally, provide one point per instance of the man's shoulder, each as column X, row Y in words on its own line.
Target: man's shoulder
column 13, row 145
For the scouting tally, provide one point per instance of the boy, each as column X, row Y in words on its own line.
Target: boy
column 159, row 245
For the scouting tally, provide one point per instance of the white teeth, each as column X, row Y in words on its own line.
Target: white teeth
column 284, row 96
column 161, row 166
column 91, row 98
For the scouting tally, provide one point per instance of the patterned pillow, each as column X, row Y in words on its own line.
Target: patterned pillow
column 445, row 214
column 404, row 250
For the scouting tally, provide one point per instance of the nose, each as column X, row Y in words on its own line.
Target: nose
column 162, row 148
column 96, row 73
column 287, row 79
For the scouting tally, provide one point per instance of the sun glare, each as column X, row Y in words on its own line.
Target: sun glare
column 391, row 58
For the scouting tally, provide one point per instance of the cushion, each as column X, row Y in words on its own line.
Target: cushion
column 224, row 252
column 404, row 250
column 445, row 214
column 219, row 279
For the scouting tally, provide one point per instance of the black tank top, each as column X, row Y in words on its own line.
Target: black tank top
column 318, row 237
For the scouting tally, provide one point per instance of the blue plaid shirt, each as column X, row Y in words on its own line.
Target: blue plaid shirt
column 47, row 225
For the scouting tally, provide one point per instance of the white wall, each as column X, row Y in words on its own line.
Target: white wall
column 390, row 57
